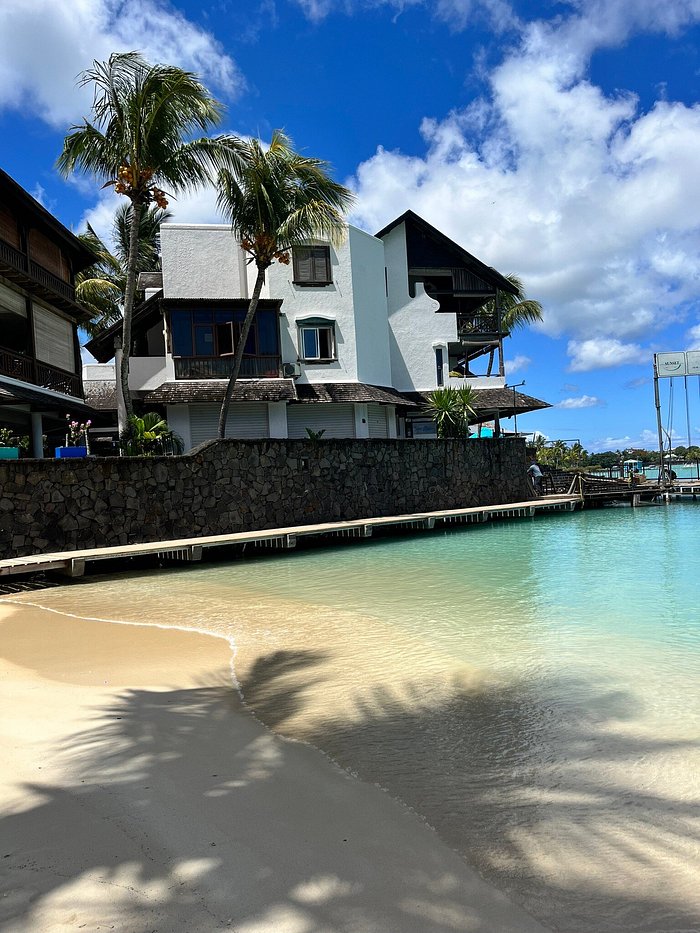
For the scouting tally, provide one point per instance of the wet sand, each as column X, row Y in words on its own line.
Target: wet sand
column 139, row 795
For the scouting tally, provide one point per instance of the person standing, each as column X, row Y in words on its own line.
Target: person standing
column 535, row 474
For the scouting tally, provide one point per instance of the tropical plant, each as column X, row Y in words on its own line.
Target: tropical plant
column 138, row 140
column 149, row 436
column 315, row 436
column 276, row 199
column 451, row 409
column 516, row 310
column 101, row 287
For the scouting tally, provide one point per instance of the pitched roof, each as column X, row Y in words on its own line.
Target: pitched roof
column 490, row 401
column 488, row 273
column 349, row 392
column 39, row 400
column 213, row 390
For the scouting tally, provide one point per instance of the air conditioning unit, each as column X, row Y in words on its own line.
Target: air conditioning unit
column 291, row 370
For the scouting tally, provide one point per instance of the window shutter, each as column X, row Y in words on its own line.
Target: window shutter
column 303, row 265
column 321, row 264
column 13, row 301
column 53, row 339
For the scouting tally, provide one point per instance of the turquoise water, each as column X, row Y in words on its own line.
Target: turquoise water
column 531, row 688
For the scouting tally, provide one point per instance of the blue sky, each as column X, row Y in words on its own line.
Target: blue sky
column 557, row 140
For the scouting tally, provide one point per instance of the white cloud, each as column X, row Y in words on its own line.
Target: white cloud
column 645, row 440
column 602, row 353
column 457, row 14
column 194, row 208
column 44, row 45
column 583, row 401
column 579, row 192
column 517, row 363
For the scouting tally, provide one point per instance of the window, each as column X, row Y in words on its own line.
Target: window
column 312, row 265
column 213, row 333
column 317, row 342
column 53, row 339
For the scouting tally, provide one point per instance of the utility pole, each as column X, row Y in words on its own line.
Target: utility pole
column 657, row 401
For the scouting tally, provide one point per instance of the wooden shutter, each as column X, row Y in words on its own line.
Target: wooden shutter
column 9, row 231
column 303, row 266
column 13, row 301
column 53, row 339
column 321, row 260
column 47, row 254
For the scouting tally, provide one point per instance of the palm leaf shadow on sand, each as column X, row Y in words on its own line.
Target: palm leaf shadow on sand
column 156, row 740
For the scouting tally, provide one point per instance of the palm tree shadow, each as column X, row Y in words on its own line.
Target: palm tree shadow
column 232, row 852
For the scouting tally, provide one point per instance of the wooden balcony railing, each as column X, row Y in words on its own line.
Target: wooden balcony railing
column 220, row 367
column 34, row 372
column 20, row 262
column 478, row 323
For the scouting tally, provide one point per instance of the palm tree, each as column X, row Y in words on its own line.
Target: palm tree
column 276, row 199
column 516, row 310
column 139, row 140
column 451, row 408
column 102, row 286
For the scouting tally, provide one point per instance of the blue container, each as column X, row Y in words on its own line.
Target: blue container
column 9, row 453
column 71, row 452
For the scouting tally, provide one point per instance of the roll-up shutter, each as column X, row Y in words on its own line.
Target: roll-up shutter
column 13, row 301
column 245, row 420
column 335, row 420
column 53, row 339
column 376, row 419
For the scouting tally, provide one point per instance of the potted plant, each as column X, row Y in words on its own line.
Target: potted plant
column 9, row 445
column 76, row 431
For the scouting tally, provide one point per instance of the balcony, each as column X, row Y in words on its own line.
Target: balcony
column 220, row 367
column 25, row 369
column 19, row 268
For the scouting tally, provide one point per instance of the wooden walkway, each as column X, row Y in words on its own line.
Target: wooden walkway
column 73, row 563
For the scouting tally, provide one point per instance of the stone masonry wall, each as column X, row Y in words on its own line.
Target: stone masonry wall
column 228, row 486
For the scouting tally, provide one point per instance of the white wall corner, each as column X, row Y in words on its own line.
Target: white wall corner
column 361, row 420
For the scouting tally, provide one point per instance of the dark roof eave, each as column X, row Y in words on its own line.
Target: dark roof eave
column 82, row 255
column 488, row 273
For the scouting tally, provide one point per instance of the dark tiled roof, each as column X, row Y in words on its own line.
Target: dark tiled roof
column 101, row 394
column 213, row 390
column 489, row 401
column 273, row 390
column 349, row 392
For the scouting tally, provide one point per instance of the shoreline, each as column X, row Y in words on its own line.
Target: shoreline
column 154, row 837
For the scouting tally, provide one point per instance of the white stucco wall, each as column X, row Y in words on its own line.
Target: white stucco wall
column 370, row 308
column 201, row 261
column 334, row 302
column 415, row 329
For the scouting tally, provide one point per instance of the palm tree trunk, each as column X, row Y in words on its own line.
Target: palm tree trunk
column 238, row 358
column 130, row 291
column 492, row 353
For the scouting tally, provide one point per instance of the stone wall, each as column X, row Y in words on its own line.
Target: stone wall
column 229, row 486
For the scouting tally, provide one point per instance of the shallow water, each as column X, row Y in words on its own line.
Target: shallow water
column 531, row 688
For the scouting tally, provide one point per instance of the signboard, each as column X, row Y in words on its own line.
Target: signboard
column 671, row 364
column 692, row 360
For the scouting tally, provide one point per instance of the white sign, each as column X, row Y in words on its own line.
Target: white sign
column 692, row 359
column 671, row 364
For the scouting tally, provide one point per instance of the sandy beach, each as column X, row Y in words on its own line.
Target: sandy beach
column 139, row 795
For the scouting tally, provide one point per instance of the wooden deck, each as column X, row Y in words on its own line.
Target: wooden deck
column 73, row 563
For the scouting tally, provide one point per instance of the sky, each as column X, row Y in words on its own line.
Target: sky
column 555, row 140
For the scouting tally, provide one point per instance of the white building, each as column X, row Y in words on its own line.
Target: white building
column 347, row 339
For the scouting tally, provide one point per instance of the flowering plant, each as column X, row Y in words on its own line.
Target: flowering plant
column 75, row 430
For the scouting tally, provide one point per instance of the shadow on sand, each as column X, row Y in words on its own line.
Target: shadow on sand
column 493, row 803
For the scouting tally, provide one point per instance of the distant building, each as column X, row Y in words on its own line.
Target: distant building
column 348, row 340
column 40, row 367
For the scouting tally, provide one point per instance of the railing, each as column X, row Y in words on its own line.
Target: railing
column 51, row 281
column 20, row 261
column 25, row 369
column 220, row 367
column 477, row 323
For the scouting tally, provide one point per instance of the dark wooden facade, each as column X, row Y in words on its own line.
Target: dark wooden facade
column 39, row 258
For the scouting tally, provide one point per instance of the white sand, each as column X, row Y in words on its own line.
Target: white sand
column 138, row 795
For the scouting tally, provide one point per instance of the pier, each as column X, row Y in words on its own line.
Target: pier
column 74, row 563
